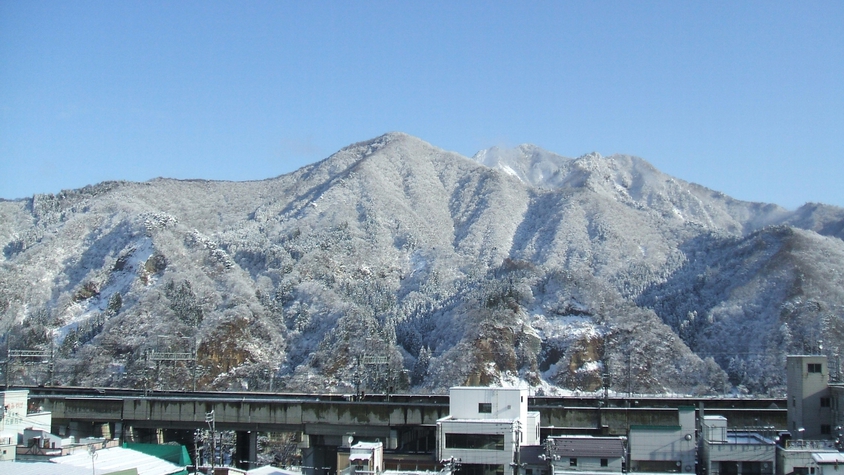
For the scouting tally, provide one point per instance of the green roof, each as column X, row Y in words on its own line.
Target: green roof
column 172, row 453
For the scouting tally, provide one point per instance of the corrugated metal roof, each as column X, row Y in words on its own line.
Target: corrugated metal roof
column 828, row 457
column 42, row 468
column 118, row 458
column 599, row 447
column 530, row 454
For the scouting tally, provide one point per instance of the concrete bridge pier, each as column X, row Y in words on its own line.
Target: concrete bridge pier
column 246, row 449
column 319, row 457
column 143, row 435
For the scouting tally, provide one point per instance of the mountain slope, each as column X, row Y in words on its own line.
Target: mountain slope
column 393, row 263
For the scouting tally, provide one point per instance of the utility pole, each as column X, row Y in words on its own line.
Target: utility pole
column 33, row 356
column 176, row 356
column 606, row 379
column 376, row 361
column 212, row 426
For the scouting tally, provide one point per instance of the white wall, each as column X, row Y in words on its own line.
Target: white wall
column 477, row 456
column 507, row 403
column 804, row 392
column 532, row 429
column 587, row 464
column 666, row 443
column 715, row 428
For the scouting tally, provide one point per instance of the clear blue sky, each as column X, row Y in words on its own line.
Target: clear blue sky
column 743, row 97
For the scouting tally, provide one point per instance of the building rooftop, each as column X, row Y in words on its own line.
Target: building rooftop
column 269, row 470
column 530, row 454
column 477, row 421
column 367, row 445
column 748, row 439
column 802, row 445
column 42, row 468
column 586, row 446
column 116, row 459
column 828, row 457
column 742, row 438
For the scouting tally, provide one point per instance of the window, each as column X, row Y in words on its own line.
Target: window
column 814, row 367
column 572, row 462
column 485, row 407
column 826, row 429
column 826, row 402
column 605, row 462
column 475, row 441
column 481, row 469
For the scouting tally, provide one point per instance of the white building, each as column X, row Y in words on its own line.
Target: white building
column 575, row 454
column 728, row 452
column 810, row 401
column 829, row 463
column 366, row 458
column 801, row 457
column 15, row 418
column 664, row 448
column 485, row 429
column 7, row 447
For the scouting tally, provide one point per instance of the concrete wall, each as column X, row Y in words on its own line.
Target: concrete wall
column 82, row 416
column 804, row 393
column 587, row 464
column 476, row 456
column 507, row 403
column 675, row 444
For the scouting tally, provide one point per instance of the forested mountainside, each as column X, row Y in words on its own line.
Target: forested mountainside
column 396, row 265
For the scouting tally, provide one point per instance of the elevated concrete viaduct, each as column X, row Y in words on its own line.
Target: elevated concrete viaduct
column 405, row 423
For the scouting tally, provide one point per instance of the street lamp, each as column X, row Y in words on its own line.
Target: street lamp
column 92, row 451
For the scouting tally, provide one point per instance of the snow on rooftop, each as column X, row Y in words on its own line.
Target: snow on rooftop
column 270, row 470
column 828, row 457
column 116, row 459
column 43, row 468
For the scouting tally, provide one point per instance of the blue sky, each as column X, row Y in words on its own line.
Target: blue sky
column 743, row 97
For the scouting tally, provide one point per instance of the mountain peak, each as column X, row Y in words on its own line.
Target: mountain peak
column 393, row 246
column 529, row 163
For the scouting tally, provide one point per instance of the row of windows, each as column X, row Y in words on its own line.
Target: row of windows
column 475, row 441
column 481, row 469
column 573, row 462
column 825, row 402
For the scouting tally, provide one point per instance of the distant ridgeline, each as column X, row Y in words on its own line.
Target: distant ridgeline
column 393, row 265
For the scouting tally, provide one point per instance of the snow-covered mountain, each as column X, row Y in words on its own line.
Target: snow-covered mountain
column 393, row 263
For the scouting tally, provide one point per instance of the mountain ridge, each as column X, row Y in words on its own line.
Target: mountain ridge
column 452, row 271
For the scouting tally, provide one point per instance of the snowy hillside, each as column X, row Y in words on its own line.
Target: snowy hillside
column 393, row 263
